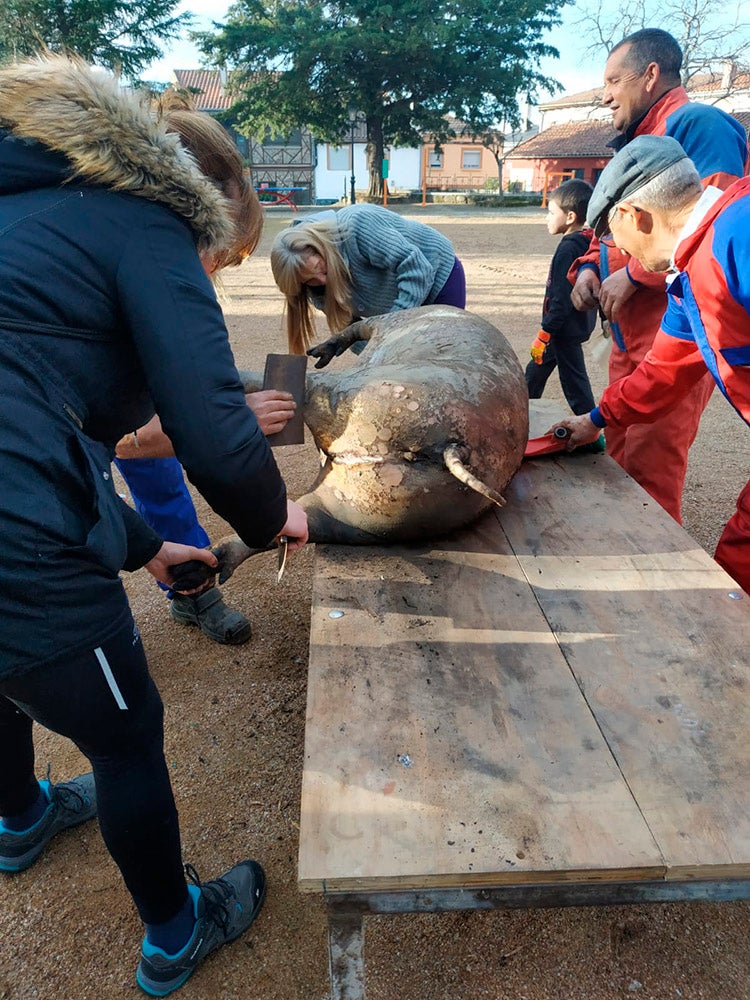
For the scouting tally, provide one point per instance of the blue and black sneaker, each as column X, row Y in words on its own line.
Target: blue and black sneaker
column 224, row 909
column 70, row 803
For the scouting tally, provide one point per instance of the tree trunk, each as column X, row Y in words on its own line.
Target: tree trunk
column 500, row 160
column 375, row 153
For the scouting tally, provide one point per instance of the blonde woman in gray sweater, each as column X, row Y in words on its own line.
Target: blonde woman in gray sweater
column 362, row 260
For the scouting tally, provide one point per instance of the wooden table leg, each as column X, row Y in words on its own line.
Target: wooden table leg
column 346, row 950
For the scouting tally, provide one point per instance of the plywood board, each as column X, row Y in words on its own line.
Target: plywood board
column 447, row 742
column 657, row 636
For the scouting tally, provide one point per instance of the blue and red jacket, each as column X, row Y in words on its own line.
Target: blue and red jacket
column 717, row 145
column 706, row 325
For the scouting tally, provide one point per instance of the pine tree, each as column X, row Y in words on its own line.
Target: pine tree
column 121, row 35
column 403, row 65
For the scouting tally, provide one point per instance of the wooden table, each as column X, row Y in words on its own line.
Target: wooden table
column 280, row 195
column 550, row 709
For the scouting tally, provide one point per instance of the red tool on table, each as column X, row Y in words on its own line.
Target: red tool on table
column 547, row 443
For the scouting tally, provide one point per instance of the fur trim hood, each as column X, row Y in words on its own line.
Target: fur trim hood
column 111, row 137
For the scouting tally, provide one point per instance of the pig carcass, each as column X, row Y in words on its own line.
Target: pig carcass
column 418, row 436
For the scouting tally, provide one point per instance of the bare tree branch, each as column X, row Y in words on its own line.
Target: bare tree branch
column 710, row 32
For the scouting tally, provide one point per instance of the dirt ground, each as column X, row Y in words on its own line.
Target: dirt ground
column 234, row 742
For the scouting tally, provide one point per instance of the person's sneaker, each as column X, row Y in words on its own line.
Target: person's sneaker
column 209, row 612
column 70, row 803
column 225, row 909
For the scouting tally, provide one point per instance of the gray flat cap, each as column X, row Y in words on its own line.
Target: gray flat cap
column 628, row 171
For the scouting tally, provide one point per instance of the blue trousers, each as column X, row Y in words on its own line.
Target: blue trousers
column 161, row 497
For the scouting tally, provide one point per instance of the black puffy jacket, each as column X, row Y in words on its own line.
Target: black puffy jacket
column 106, row 316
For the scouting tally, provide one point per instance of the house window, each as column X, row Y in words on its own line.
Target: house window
column 294, row 138
column 435, row 160
column 471, row 159
column 241, row 142
column 339, row 157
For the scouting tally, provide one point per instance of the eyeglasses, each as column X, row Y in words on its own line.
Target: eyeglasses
column 612, row 214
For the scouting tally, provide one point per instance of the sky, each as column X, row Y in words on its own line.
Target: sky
column 574, row 70
column 182, row 54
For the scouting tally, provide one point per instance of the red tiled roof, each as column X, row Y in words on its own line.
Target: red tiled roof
column 588, row 138
column 206, row 87
column 709, row 82
column 700, row 84
column 582, row 98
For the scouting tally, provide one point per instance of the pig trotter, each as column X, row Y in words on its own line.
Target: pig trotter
column 191, row 575
column 454, row 464
column 335, row 346
column 327, row 351
column 231, row 552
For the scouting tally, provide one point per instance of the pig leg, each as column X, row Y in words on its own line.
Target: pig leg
column 324, row 526
column 230, row 551
column 335, row 346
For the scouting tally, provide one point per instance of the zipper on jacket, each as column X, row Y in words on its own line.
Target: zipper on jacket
column 73, row 416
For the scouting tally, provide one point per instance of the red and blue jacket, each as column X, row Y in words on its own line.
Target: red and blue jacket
column 706, row 325
column 717, row 145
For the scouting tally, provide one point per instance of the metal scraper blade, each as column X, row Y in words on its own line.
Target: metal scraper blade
column 287, row 372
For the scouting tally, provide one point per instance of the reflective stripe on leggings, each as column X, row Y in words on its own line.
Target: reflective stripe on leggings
column 110, row 678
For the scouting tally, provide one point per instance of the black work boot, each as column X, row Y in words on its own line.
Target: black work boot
column 212, row 616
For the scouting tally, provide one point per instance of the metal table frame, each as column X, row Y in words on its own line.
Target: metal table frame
column 347, row 910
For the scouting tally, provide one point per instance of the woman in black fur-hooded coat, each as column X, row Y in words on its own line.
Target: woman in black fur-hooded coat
column 107, row 316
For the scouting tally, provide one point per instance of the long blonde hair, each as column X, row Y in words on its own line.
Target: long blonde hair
column 289, row 254
column 218, row 158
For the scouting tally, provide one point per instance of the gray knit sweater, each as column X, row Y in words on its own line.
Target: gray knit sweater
column 394, row 263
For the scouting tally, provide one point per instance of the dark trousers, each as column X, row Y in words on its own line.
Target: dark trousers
column 105, row 701
column 453, row 292
column 567, row 357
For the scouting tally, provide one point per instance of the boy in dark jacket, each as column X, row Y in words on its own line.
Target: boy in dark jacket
column 564, row 330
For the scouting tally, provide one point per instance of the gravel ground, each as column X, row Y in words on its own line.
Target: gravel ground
column 234, row 742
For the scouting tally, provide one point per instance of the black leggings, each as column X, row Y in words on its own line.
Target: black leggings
column 105, row 701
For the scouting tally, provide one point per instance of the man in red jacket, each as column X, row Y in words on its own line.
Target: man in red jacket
column 642, row 89
column 650, row 197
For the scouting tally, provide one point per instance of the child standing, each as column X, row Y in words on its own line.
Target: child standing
column 564, row 330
